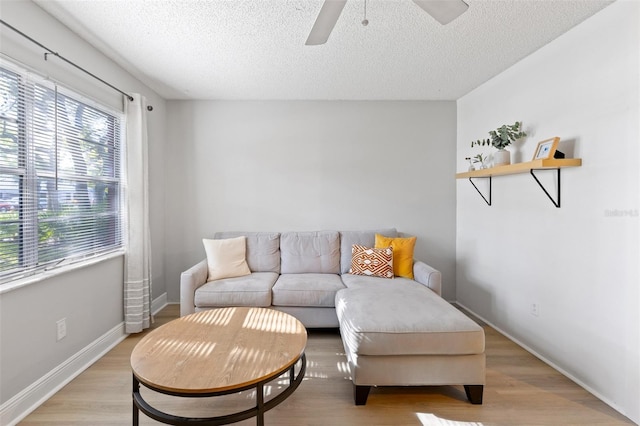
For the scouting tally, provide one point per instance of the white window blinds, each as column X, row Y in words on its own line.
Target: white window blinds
column 60, row 175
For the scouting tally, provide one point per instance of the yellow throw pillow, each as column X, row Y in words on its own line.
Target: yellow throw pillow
column 402, row 253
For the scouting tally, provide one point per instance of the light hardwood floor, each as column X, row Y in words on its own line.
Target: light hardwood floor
column 520, row 390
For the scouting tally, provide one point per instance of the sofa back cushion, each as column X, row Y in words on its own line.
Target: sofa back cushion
column 263, row 249
column 310, row 252
column 361, row 238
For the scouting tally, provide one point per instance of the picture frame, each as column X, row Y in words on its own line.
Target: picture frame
column 546, row 149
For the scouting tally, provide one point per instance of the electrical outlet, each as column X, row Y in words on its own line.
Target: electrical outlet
column 61, row 326
column 535, row 309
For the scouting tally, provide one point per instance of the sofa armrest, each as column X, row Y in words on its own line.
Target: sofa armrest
column 427, row 275
column 190, row 280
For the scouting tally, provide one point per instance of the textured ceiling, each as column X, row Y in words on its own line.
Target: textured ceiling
column 207, row 49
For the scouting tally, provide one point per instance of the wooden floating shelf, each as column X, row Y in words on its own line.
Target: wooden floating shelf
column 512, row 169
column 529, row 167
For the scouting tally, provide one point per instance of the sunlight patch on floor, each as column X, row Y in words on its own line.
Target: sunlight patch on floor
column 428, row 419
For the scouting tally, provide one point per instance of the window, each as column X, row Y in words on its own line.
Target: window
column 60, row 177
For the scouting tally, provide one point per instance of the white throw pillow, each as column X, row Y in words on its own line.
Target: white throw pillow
column 226, row 258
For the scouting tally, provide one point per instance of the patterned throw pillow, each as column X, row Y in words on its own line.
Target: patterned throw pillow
column 373, row 262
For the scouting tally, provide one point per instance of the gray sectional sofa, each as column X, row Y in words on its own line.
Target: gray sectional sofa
column 395, row 332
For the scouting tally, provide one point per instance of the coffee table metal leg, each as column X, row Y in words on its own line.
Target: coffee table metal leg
column 260, row 404
column 136, row 412
column 292, row 374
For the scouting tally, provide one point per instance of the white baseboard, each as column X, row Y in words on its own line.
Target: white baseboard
column 158, row 303
column 545, row 360
column 30, row 398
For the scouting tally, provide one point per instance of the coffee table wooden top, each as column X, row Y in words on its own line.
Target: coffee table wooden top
column 219, row 350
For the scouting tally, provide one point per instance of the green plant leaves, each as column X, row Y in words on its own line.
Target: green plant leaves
column 503, row 136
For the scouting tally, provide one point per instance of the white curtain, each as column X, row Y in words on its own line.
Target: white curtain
column 137, row 273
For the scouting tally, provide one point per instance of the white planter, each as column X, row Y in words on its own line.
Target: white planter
column 501, row 157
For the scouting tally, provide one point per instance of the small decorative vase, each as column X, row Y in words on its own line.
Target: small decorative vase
column 471, row 167
column 501, row 158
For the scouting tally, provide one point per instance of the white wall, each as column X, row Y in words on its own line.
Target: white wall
column 91, row 299
column 29, row 347
column 579, row 263
column 282, row 166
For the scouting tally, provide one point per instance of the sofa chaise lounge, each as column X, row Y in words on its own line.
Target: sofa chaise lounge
column 395, row 332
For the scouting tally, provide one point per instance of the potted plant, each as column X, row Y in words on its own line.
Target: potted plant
column 501, row 138
column 480, row 159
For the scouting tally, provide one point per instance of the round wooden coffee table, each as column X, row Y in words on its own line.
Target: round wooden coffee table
column 218, row 352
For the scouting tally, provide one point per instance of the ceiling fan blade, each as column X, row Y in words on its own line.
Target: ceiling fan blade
column 326, row 20
column 444, row 11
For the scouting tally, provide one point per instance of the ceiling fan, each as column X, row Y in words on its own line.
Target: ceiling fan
column 444, row 11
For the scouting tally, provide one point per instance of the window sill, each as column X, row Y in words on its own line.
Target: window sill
column 44, row 275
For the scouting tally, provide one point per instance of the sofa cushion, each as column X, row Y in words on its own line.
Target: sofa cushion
column 310, row 252
column 373, row 262
column 403, row 320
column 263, row 249
column 362, row 238
column 226, row 258
column 402, row 253
column 250, row 290
column 317, row 290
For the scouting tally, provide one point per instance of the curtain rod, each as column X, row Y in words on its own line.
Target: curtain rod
column 49, row 51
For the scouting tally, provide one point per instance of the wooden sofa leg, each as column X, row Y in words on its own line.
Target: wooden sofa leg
column 360, row 394
column 474, row 393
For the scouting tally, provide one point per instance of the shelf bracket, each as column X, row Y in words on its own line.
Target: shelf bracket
column 479, row 192
column 555, row 202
